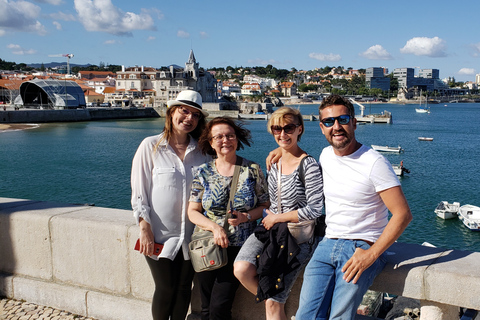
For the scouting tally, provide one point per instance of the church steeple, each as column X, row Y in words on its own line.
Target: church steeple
column 192, row 66
column 191, row 58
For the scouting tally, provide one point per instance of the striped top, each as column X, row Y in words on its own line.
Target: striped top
column 308, row 198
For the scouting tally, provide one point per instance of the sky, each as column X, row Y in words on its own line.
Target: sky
column 305, row 35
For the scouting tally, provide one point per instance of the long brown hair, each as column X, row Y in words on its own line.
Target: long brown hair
column 168, row 128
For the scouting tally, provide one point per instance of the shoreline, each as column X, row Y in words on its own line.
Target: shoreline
column 5, row 127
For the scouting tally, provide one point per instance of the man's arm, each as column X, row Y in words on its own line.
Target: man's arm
column 397, row 204
column 273, row 157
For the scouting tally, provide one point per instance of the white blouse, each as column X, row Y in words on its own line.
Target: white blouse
column 161, row 185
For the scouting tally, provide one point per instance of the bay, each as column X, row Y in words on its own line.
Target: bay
column 90, row 162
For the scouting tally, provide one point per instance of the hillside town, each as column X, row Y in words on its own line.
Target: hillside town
column 222, row 88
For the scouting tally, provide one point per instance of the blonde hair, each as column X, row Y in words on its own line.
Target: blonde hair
column 281, row 115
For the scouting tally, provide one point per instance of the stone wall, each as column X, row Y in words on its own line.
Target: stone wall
column 81, row 259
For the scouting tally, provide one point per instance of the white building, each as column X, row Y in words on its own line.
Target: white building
column 151, row 86
column 263, row 82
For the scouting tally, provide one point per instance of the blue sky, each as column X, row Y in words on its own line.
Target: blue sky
column 439, row 34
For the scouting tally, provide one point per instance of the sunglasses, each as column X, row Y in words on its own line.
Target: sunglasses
column 343, row 119
column 289, row 128
column 186, row 112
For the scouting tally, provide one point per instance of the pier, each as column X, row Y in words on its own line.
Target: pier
column 80, row 258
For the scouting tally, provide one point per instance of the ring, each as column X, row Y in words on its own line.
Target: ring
column 150, row 243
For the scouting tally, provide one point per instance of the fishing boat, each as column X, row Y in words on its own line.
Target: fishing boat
column 425, row 139
column 387, row 148
column 400, row 169
column 447, row 210
column 470, row 216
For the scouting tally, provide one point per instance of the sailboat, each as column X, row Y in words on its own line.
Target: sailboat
column 424, row 109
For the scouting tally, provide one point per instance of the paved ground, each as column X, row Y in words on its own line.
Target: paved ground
column 20, row 310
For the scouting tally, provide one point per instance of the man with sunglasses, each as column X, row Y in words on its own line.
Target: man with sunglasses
column 360, row 188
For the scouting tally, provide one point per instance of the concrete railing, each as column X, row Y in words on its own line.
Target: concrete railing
column 80, row 258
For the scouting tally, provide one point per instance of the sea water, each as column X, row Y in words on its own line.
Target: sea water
column 90, row 162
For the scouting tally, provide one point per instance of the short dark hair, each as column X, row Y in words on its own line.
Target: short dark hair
column 243, row 135
column 336, row 99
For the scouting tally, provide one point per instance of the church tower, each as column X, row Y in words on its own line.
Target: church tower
column 191, row 67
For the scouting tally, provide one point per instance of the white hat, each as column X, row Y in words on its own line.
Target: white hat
column 188, row 98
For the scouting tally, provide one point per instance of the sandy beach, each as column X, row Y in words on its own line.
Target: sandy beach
column 16, row 126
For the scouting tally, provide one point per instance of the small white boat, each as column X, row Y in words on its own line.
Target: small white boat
column 447, row 210
column 422, row 110
column 400, row 169
column 470, row 216
column 386, row 148
column 425, row 139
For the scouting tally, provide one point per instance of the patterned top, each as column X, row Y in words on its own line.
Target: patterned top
column 308, row 198
column 213, row 190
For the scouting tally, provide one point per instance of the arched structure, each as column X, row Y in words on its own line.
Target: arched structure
column 51, row 94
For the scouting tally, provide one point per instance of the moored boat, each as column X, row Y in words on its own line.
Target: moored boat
column 447, row 210
column 425, row 138
column 386, row 148
column 422, row 110
column 470, row 216
column 400, row 169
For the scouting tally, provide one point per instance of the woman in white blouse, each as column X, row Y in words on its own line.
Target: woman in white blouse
column 161, row 181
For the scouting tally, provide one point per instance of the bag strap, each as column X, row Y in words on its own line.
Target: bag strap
column 279, row 186
column 301, row 169
column 233, row 190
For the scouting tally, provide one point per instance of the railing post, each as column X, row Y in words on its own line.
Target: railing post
column 437, row 311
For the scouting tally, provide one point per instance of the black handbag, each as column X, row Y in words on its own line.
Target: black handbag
column 205, row 254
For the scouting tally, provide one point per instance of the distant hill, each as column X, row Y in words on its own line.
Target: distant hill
column 56, row 65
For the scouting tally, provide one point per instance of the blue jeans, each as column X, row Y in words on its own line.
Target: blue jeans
column 324, row 294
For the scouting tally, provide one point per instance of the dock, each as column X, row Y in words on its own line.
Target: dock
column 244, row 116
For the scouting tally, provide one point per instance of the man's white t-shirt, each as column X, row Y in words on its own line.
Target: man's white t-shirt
column 353, row 206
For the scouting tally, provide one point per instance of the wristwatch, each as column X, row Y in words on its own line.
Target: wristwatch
column 249, row 217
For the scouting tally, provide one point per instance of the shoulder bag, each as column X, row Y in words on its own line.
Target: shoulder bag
column 302, row 231
column 205, row 254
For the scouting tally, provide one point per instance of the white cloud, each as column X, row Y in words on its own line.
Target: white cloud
column 112, row 41
column 103, row 16
column 62, row 16
column 2, row 32
column 157, row 12
column 466, row 71
column 204, row 35
column 17, row 49
column 423, row 46
column 183, row 34
column 325, row 57
column 54, row 2
column 261, row 62
column 20, row 16
column 476, row 49
column 376, row 52
column 151, row 38
column 57, row 25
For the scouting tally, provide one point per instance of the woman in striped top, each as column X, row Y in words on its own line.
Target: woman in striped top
column 301, row 199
